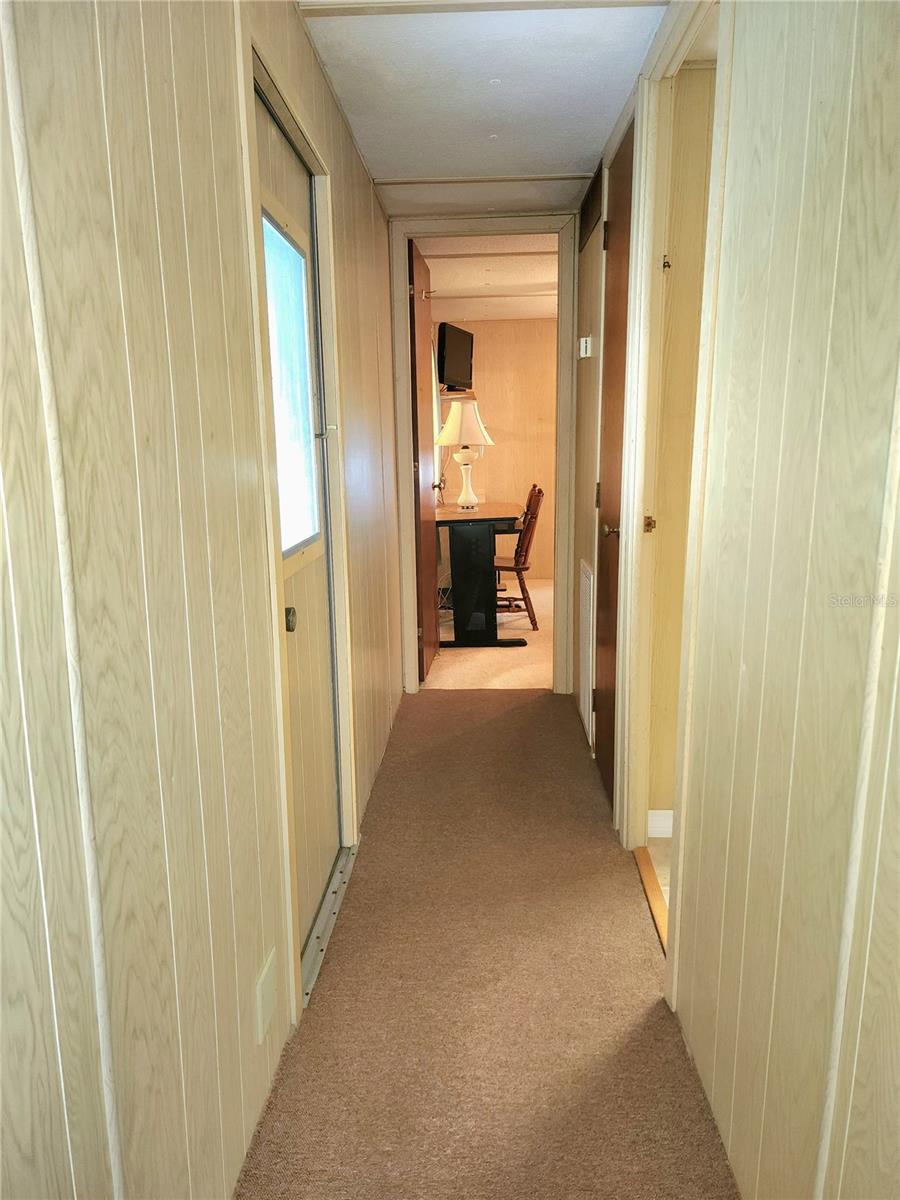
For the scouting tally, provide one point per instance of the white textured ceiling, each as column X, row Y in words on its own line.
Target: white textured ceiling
column 476, row 102
column 492, row 278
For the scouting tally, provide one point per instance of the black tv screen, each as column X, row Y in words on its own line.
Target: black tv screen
column 454, row 356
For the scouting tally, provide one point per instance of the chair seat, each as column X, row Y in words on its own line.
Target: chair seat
column 502, row 563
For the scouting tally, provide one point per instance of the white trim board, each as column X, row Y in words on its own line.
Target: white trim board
column 689, row 620
column 403, row 230
column 665, row 57
column 659, row 822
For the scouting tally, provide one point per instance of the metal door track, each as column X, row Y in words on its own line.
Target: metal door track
column 314, row 952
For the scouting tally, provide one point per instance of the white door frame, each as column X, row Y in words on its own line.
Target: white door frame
column 634, row 613
column 674, row 38
column 403, row 230
column 705, row 363
column 339, row 542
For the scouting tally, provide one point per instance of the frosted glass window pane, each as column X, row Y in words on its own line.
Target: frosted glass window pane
column 292, row 394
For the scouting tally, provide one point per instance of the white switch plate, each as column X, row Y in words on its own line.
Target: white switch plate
column 586, row 347
column 266, row 987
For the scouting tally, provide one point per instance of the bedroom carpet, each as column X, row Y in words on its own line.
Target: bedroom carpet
column 489, row 1022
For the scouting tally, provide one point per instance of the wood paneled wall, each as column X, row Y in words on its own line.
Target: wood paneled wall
column 587, row 421
column 688, row 130
column 514, row 378
column 788, row 948
column 363, row 312
column 142, row 861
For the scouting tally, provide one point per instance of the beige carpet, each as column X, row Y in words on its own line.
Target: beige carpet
column 528, row 666
column 488, row 1023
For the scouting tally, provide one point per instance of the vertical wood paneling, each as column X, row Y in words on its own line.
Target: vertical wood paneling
column 135, row 161
column 853, row 445
column 863, row 1156
column 133, row 186
column 705, row 599
column 216, row 405
column 790, row 784
column 178, row 277
column 48, row 1038
column 254, row 565
column 77, row 234
column 785, row 214
column 738, row 390
column 36, row 1152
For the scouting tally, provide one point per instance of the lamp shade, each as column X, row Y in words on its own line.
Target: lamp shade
column 464, row 426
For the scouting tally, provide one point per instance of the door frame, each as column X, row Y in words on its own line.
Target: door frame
column 644, row 348
column 253, row 73
column 705, row 363
column 665, row 58
column 402, row 231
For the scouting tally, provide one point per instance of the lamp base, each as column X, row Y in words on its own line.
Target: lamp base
column 467, row 500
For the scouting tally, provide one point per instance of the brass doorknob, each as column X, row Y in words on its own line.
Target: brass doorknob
column 606, row 530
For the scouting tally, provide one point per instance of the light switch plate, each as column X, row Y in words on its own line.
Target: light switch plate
column 266, row 987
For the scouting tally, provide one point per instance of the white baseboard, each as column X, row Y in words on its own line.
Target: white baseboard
column 659, row 822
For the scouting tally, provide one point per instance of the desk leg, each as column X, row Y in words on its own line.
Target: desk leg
column 475, row 587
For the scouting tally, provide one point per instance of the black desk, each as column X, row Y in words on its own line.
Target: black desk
column 472, row 550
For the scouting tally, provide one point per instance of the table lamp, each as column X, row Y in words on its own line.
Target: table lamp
column 464, row 428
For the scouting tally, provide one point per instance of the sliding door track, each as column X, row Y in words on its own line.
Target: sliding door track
column 316, row 943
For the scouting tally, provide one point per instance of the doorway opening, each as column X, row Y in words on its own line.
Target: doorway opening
column 483, row 345
column 487, row 400
column 686, row 103
column 290, row 210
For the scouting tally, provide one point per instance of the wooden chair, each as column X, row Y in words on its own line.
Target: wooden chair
column 521, row 560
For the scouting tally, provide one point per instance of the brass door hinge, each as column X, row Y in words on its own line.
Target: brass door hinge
column 606, row 235
column 597, row 496
column 649, row 524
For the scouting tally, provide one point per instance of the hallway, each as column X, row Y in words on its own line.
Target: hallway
column 489, row 1021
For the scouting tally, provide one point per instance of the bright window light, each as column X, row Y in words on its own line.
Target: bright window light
column 287, row 283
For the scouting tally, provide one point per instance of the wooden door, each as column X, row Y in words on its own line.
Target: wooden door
column 423, row 457
column 304, row 563
column 615, row 328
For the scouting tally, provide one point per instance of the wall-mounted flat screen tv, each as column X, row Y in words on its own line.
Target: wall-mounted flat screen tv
column 454, row 357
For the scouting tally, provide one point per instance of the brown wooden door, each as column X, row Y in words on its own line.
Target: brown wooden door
column 423, row 457
column 615, row 328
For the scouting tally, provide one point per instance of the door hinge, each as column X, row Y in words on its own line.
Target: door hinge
column 410, row 291
column 666, row 264
column 649, row 524
column 606, row 235
column 597, row 495
column 594, row 700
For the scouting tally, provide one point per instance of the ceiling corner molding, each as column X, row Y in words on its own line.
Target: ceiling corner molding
column 676, row 34
column 670, row 47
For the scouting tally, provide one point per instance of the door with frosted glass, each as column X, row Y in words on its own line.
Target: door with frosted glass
column 300, row 467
